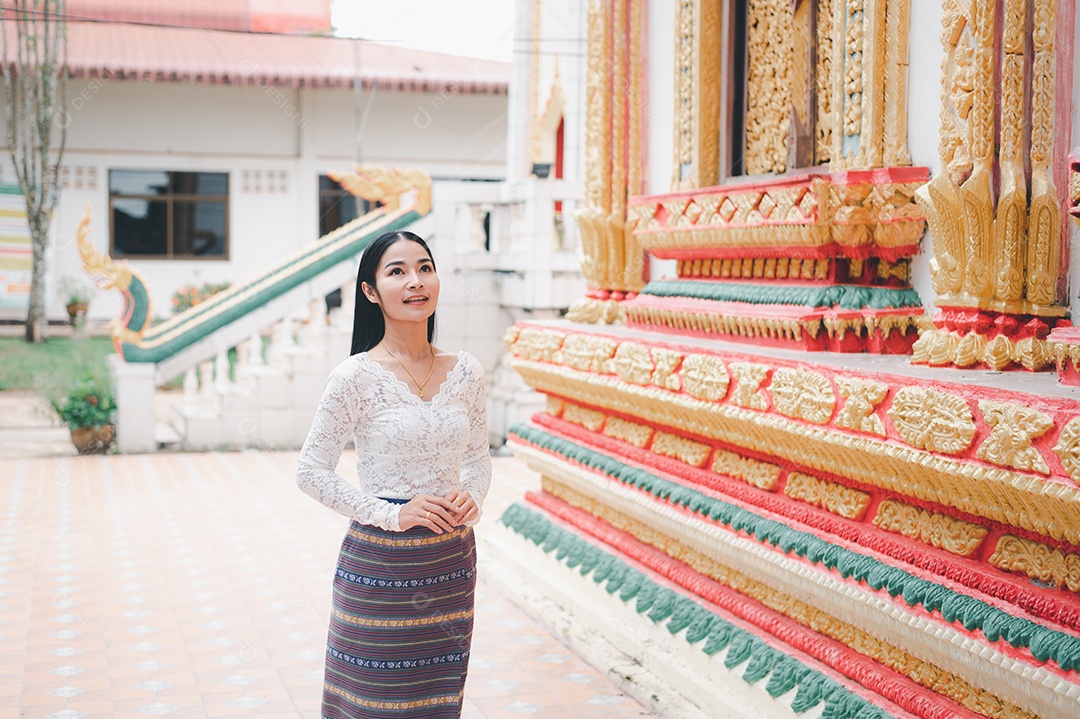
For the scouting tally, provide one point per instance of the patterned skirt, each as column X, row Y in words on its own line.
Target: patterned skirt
column 401, row 624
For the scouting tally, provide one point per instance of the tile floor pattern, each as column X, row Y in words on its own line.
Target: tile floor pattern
column 198, row 585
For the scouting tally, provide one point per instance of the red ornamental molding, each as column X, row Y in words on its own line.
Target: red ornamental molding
column 856, row 214
column 973, row 572
column 890, row 684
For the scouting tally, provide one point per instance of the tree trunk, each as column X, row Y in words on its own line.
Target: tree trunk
column 37, row 323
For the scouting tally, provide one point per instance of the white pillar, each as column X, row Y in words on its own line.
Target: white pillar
column 134, row 384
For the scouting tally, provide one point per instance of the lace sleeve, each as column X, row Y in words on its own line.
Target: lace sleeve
column 476, row 464
column 335, row 422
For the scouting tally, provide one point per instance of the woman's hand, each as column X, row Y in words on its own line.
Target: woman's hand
column 465, row 509
column 426, row 510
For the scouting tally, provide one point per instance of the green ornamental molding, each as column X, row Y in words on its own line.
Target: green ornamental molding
column 845, row 297
column 973, row 614
column 664, row 605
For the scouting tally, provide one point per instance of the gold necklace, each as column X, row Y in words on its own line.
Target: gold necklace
column 420, row 385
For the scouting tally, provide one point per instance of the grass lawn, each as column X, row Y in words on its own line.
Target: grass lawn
column 52, row 368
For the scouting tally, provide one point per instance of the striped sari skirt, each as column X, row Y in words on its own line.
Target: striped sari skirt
column 400, row 625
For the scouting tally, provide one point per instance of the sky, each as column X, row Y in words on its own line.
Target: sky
column 477, row 28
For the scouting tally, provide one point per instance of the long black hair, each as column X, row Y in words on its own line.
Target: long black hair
column 369, row 325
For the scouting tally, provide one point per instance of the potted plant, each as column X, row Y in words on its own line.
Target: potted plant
column 88, row 411
column 75, row 294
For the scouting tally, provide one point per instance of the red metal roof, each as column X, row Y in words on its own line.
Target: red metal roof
column 178, row 54
column 252, row 15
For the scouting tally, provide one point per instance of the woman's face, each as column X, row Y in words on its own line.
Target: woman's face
column 406, row 286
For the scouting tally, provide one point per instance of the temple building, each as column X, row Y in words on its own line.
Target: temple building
column 811, row 441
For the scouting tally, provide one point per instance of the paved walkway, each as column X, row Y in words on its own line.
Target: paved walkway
column 198, row 585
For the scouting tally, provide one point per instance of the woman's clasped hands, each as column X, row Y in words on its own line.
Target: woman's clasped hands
column 439, row 514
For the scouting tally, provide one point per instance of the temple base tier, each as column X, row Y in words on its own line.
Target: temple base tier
column 857, row 536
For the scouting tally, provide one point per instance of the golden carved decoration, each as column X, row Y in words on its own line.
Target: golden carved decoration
column 791, row 330
column 590, row 419
column 831, row 496
column 938, row 530
column 541, row 345
column 631, row 432
column 898, row 20
column 901, row 270
column 1001, row 256
column 861, row 396
column 853, row 68
column 618, row 79
column 597, row 109
column 705, row 377
column 511, row 336
column 932, row 420
column 1068, row 448
column 1074, row 190
column 1014, row 427
column 589, row 311
column 611, row 257
column 768, row 91
column 589, row 353
column 666, row 362
column 535, row 119
column 1037, row 561
column 748, row 379
column 997, row 494
column 633, row 363
column 937, row 347
column 823, row 78
column 380, row 184
column 895, row 658
column 802, row 394
column 762, row 475
column 685, row 68
column 1044, row 235
column 778, row 268
column 554, row 406
column 813, row 212
column 680, row 448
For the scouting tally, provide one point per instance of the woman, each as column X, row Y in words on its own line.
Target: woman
column 401, row 621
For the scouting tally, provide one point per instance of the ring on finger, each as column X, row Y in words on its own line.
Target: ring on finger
column 428, row 517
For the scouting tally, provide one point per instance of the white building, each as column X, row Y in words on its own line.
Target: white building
column 201, row 137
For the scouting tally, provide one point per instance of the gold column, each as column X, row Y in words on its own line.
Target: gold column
column 534, row 90
column 1009, row 225
column 897, row 20
column 597, row 149
column 1044, row 238
column 1004, row 258
column 975, row 192
column 697, row 94
column 611, row 256
column 872, row 129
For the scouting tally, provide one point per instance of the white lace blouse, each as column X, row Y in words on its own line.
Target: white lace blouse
column 405, row 446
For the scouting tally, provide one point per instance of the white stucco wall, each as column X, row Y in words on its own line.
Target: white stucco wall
column 660, row 110
column 283, row 139
column 924, row 107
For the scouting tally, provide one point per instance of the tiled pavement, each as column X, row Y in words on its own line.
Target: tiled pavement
column 198, row 585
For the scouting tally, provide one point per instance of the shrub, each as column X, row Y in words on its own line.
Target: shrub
column 188, row 296
column 89, row 404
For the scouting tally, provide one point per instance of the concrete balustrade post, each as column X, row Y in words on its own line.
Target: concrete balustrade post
column 133, row 386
